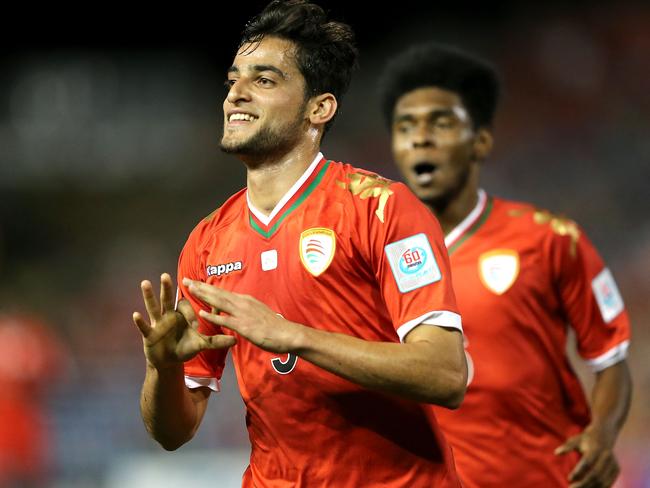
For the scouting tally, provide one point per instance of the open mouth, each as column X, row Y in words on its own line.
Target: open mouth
column 424, row 172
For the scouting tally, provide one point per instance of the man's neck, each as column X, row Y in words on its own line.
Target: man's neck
column 459, row 207
column 269, row 181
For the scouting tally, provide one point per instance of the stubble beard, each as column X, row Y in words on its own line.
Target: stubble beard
column 266, row 142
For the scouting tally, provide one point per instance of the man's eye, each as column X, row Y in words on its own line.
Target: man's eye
column 265, row 81
column 444, row 124
column 229, row 83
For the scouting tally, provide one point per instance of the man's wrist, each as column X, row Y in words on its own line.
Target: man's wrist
column 166, row 368
column 300, row 338
column 605, row 433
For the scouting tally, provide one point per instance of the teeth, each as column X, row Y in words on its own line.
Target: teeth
column 424, row 178
column 246, row 117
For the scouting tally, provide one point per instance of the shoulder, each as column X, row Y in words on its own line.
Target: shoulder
column 219, row 218
column 534, row 223
column 369, row 190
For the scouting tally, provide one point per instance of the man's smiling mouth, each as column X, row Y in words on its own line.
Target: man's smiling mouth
column 241, row 117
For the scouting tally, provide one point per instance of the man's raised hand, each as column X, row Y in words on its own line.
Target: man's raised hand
column 171, row 336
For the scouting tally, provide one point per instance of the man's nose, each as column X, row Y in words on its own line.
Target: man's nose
column 238, row 91
column 423, row 137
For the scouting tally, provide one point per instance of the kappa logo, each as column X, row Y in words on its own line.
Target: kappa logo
column 498, row 269
column 223, row 269
column 317, row 247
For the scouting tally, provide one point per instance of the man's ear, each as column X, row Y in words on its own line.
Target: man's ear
column 483, row 143
column 321, row 108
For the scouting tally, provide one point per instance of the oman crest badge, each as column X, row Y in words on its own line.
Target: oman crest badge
column 317, row 248
column 498, row 269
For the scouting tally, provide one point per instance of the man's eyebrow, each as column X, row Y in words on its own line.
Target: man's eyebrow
column 268, row 67
column 442, row 112
column 433, row 114
column 403, row 117
column 258, row 68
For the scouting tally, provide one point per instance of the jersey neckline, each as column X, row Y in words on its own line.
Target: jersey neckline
column 470, row 224
column 267, row 225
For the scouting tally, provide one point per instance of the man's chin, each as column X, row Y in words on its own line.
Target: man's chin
column 235, row 147
column 230, row 148
column 425, row 193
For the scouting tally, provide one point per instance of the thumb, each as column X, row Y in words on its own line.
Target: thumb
column 220, row 341
column 571, row 444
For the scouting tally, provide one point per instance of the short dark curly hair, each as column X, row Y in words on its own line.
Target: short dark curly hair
column 431, row 64
column 326, row 53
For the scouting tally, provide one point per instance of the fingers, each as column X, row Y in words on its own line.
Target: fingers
column 570, row 445
column 611, row 473
column 150, row 301
column 167, row 294
column 186, row 310
column 584, row 465
column 220, row 320
column 220, row 341
column 163, row 327
column 602, row 473
column 216, row 297
column 145, row 328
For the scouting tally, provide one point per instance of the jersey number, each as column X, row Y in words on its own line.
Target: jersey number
column 284, row 366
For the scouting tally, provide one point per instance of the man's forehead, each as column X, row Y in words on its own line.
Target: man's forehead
column 429, row 109
column 270, row 51
column 429, row 98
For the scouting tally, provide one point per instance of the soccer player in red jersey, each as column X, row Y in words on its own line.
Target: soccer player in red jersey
column 522, row 278
column 329, row 285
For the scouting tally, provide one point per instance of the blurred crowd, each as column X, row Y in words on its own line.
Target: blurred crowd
column 109, row 157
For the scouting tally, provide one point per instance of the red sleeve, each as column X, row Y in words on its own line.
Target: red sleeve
column 410, row 262
column 589, row 296
column 207, row 364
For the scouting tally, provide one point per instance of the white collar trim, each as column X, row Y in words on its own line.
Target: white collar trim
column 468, row 221
column 266, row 219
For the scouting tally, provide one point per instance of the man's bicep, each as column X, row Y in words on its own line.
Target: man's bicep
column 443, row 349
column 441, row 337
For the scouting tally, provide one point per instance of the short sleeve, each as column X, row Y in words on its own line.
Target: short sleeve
column 411, row 264
column 206, row 368
column 590, row 297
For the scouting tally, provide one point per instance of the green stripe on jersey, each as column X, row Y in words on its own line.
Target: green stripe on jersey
column 472, row 230
column 296, row 204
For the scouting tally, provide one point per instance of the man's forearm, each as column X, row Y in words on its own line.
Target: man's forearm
column 611, row 398
column 168, row 409
column 431, row 371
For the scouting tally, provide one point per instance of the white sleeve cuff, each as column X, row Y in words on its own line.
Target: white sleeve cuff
column 197, row 382
column 615, row 355
column 440, row 318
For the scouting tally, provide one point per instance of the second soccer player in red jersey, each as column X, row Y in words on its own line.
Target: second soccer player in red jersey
column 522, row 277
column 330, row 284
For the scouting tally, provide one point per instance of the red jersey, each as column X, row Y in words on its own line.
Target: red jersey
column 344, row 251
column 523, row 277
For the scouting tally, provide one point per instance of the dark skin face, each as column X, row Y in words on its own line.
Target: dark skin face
column 436, row 147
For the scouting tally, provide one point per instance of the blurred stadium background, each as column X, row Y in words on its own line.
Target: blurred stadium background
column 109, row 129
